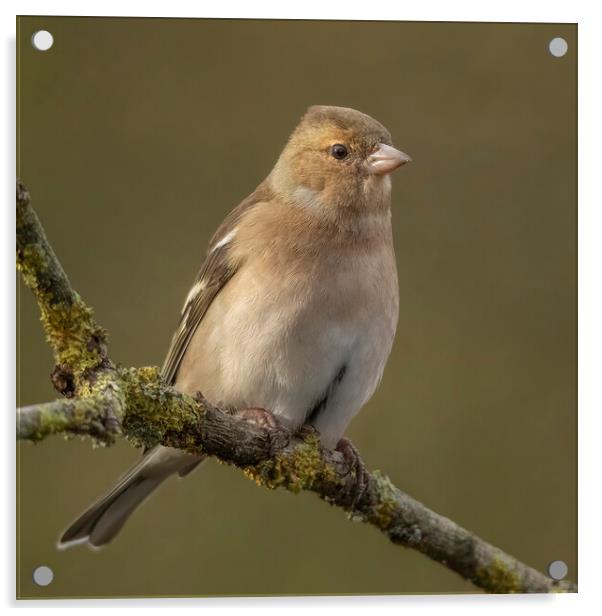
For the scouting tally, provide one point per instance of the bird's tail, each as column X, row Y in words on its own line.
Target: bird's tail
column 101, row 522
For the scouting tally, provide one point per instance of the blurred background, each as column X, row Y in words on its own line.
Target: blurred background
column 137, row 136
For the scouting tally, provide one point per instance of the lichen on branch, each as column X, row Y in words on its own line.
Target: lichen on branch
column 79, row 344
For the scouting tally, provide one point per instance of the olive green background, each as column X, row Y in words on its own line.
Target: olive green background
column 137, row 136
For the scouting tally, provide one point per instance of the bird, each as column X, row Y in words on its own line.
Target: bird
column 293, row 313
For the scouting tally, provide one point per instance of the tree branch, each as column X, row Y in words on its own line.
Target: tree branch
column 103, row 401
column 79, row 344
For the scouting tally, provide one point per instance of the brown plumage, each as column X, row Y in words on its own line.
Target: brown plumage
column 295, row 307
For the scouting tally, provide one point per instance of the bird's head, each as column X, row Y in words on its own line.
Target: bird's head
column 337, row 158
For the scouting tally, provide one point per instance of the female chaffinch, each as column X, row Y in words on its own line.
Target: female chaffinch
column 294, row 310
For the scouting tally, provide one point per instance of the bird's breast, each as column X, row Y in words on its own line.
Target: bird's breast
column 284, row 325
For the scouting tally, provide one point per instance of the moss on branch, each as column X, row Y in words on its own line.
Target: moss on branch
column 159, row 414
column 303, row 468
column 79, row 344
column 96, row 415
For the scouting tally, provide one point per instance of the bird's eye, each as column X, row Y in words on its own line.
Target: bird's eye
column 339, row 151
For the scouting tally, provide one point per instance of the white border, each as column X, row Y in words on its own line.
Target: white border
column 587, row 15
column 438, row 10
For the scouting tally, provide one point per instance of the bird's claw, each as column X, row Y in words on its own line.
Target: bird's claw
column 260, row 418
column 277, row 434
column 356, row 466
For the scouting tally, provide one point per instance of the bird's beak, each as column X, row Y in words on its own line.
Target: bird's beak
column 386, row 159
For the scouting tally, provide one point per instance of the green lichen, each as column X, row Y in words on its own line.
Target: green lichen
column 87, row 416
column 384, row 511
column 156, row 414
column 49, row 422
column 299, row 470
column 77, row 341
column 498, row 577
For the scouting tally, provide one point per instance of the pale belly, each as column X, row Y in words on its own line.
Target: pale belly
column 282, row 349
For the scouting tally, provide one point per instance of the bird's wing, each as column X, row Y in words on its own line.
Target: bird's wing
column 215, row 273
column 212, row 277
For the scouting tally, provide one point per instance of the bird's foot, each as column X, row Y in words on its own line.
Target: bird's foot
column 277, row 434
column 356, row 466
column 260, row 418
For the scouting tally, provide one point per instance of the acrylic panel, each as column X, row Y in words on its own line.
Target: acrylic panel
column 136, row 137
